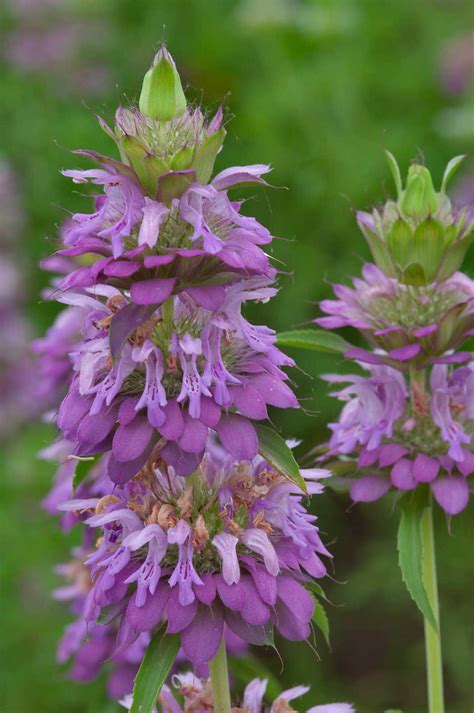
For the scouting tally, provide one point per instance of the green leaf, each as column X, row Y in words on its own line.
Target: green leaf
column 450, row 170
column 316, row 340
column 274, row 449
column 392, row 162
column 206, row 155
column 154, row 670
column 83, row 467
column 410, row 551
column 246, row 668
column 320, row 619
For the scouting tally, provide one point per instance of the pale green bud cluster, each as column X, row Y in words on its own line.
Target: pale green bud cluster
column 419, row 238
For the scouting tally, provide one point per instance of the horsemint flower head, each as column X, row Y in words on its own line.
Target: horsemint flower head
column 153, row 383
column 196, row 694
column 419, row 238
column 233, row 545
column 402, row 438
column 162, row 224
column 407, row 324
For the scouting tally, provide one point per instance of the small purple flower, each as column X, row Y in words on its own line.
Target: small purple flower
column 198, row 566
column 403, row 439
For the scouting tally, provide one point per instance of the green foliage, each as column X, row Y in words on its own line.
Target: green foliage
column 274, row 449
column 153, row 672
column 316, row 340
column 410, row 550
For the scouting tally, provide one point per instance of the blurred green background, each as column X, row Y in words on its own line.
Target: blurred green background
column 318, row 89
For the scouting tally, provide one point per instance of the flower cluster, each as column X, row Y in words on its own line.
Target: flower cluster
column 232, row 544
column 411, row 420
column 196, row 694
column 192, row 524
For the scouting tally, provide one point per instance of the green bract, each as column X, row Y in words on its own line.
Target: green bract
column 418, row 239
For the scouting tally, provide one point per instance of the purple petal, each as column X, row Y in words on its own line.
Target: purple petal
column 150, row 614
column 152, row 292
column 206, row 592
column 388, row 455
column 210, row 412
column 131, row 440
column 179, row 617
column 457, row 358
column 211, row 297
column 425, row 331
column 124, row 322
column 256, row 635
column 232, row 595
column 183, row 463
column 121, row 268
column 368, row 489
column 94, row 429
column 274, row 391
column 151, row 261
column 194, row 436
column 238, row 437
column 121, row 472
column 402, row 475
column 201, row 640
column 254, row 612
column 364, row 356
column 289, row 625
column 173, row 427
column 295, row 596
column 466, row 466
column 249, row 402
column 127, row 410
column 425, row 469
column 409, row 351
column 451, row 493
column 240, row 174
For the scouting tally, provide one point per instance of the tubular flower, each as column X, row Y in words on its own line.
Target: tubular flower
column 197, row 696
column 401, row 440
column 233, row 545
column 147, row 383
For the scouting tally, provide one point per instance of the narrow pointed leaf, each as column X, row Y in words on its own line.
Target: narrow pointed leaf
column 83, row 467
column 320, row 619
column 273, row 448
column 450, row 170
column 316, row 340
column 154, row 670
column 392, row 162
column 410, row 552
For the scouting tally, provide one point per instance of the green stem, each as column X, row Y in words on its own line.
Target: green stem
column 220, row 680
column 434, row 663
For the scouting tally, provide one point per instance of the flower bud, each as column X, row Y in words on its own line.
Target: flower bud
column 419, row 198
column 162, row 95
